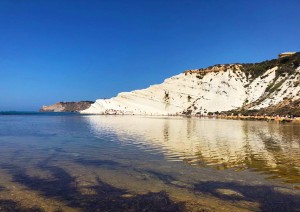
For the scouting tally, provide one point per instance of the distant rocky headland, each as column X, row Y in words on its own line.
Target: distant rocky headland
column 67, row 106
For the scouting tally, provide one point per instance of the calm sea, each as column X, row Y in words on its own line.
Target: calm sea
column 72, row 162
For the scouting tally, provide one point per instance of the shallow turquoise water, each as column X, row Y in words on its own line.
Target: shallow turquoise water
column 70, row 161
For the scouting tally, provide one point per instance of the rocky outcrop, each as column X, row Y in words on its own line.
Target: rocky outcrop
column 67, row 106
column 219, row 88
column 286, row 107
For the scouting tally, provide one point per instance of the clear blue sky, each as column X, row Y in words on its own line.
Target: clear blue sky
column 71, row 50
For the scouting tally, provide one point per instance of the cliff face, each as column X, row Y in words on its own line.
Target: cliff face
column 67, row 106
column 234, row 87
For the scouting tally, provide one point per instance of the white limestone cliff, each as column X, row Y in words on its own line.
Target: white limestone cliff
column 218, row 88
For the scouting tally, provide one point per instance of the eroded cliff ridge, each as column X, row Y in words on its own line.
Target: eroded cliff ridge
column 244, row 88
column 67, row 106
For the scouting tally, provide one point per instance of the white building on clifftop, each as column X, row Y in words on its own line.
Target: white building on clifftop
column 285, row 54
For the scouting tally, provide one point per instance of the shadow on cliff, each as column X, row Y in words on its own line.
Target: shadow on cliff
column 101, row 196
column 268, row 198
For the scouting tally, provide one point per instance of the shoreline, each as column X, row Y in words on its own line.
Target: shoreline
column 256, row 118
column 276, row 118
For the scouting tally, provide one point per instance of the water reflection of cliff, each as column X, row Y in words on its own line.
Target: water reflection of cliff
column 260, row 146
